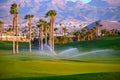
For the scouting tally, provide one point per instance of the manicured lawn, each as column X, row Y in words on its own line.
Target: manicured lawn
column 101, row 43
column 26, row 66
column 12, row 67
column 91, row 76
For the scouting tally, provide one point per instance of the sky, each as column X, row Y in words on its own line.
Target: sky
column 84, row 1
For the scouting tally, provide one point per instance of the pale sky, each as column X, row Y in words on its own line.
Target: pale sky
column 84, row 1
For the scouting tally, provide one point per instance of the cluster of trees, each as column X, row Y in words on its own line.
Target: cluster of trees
column 84, row 34
column 43, row 26
column 112, row 32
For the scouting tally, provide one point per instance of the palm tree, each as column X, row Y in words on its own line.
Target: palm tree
column 61, row 28
column 10, row 31
column 80, row 27
column 29, row 17
column 89, row 35
column 46, row 26
column 14, row 12
column 98, row 28
column 94, row 29
column 24, row 33
column 51, row 14
column 41, row 26
column 1, row 29
column 74, row 28
column 86, row 28
column 78, row 35
column 83, row 35
column 65, row 30
column 55, row 29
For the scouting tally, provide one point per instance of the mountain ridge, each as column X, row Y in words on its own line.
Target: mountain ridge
column 90, row 12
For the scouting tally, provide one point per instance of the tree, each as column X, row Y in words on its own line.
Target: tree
column 1, row 29
column 114, row 32
column 94, row 30
column 51, row 14
column 83, row 35
column 29, row 17
column 98, row 28
column 46, row 26
column 41, row 28
column 78, row 35
column 65, row 30
column 80, row 26
column 14, row 11
column 89, row 35
column 55, row 29
column 9, row 31
column 74, row 28
column 61, row 28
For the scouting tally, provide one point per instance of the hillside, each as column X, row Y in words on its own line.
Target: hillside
column 109, row 25
column 100, row 43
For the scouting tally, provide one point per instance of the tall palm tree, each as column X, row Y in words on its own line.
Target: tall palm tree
column 1, row 29
column 51, row 14
column 42, row 24
column 42, row 28
column 46, row 26
column 14, row 12
column 30, row 17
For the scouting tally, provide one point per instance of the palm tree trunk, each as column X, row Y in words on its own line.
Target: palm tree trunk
column 0, row 32
column 17, row 33
column 46, row 36
column 30, row 45
column 41, row 37
column 13, row 35
column 97, row 30
column 50, row 36
column 52, row 32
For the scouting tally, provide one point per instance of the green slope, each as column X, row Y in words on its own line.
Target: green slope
column 25, row 66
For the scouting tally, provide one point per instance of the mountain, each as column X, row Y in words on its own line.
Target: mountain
column 90, row 12
column 99, row 3
column 109, row 25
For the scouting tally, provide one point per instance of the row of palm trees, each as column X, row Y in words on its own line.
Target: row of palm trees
column 29, row 17
column 14, row 11
column 41, row 24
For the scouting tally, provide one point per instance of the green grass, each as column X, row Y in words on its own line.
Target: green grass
column 101, row 43
column 18, row 67
column 26, row 66
column 92, row 76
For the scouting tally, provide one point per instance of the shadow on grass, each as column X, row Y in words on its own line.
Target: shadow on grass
column 90, row 76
